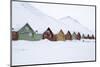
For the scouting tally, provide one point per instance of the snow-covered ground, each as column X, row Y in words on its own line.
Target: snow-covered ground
column 45, row 51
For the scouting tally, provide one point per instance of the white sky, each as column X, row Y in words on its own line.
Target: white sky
column 84, row 14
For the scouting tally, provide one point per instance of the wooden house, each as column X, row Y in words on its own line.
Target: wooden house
column 92, row 37
column 27, row 33
column 54, row 37
column 88, row 36
column 74, row 36
column 48, row 34
column 60, row 36
column 78, row 36
column 68, row 36
column 14, row 35
column 83, row 36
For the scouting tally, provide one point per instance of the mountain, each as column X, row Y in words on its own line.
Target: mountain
column 23, row 12
column 74, row 25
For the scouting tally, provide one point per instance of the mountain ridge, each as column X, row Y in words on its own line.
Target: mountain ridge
column 23, row 13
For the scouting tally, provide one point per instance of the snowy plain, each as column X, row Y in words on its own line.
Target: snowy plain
column 45, row 51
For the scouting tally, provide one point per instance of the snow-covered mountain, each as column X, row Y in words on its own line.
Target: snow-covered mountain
column 23, row 13
column 74, row 25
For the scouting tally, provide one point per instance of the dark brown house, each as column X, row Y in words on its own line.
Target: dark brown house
column 88, row 36
column 14, row 35
column 68, row 36
column 48, row 34
column 92, row 37
column 78, row 36
column 83, row 36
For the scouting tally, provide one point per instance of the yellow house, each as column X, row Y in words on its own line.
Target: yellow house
column 60, row 36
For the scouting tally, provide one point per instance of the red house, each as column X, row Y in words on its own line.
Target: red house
column 78, row 36
column 14, row 35
column 48, row 34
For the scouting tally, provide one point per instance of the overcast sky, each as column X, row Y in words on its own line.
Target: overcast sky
column 84, row 14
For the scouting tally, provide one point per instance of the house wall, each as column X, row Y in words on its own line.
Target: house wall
column 74, row 36
column 60, row 36
column 48, row 35
column 37, row 37
column 68, row 36
column 26, row 34
column 14, row 35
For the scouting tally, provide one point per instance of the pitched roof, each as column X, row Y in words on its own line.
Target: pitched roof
column 25, row 26
column 61, row 31
column 49, row 30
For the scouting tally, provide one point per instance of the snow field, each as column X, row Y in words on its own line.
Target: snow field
column 45, row 51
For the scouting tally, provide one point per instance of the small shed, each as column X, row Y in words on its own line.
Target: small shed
column 93, row 36
column 14, row 35
column 37, row 36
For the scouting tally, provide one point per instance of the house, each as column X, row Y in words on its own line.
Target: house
column 78, row 36
column 68, row 36
column 60, row 36
column 27, row 33
column 88, row 36
column 83, row 36
column 48, row 34
column 92, row 37
column 74, row 36
column 14, row 35
column 55, row 37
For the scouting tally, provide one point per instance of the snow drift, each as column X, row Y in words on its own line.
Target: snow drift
column 45, row 51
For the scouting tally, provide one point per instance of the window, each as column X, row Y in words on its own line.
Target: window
column 30, row 34
column 26, row 28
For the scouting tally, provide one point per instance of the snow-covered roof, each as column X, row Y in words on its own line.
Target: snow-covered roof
column 23, row 13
